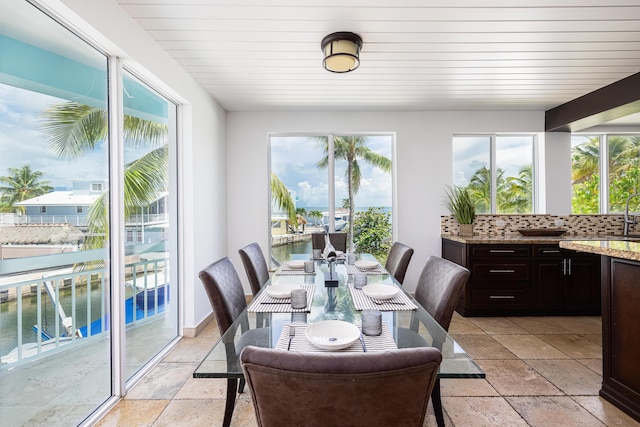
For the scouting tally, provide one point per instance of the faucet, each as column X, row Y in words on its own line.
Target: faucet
column 627, row 219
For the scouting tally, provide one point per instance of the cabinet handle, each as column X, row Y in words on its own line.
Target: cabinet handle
column 557, row 251
column 502, row 271
column 501, row 251
column 501, row 297
column 564, row 267
column 569, row 263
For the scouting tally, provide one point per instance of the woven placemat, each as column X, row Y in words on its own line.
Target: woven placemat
column 265, row 303
column 352, row 269
column 300, row 342
column 362, row 302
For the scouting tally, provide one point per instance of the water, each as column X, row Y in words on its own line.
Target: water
column 281, row 253
column 9, row 315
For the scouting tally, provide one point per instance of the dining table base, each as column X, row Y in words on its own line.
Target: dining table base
column 437, row 403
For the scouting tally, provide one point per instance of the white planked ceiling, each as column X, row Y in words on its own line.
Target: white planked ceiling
column 263, row 55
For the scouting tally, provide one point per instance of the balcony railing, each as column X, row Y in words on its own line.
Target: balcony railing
column 50, row 309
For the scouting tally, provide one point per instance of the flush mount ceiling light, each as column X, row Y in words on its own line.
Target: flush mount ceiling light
column 341, row 52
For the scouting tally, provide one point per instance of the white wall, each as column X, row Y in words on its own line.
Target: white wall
column 423, row 162
column 202, row 151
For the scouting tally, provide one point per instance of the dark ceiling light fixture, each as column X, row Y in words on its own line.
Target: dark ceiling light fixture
column 341, row 52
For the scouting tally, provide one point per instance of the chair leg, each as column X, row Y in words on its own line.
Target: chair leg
column 232, row 384
column 437, row 403
column 241, row 386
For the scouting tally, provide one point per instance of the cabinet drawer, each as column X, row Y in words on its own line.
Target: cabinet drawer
column 500, row 271
column 502, row 251
column 493, row 298
column 547, row 251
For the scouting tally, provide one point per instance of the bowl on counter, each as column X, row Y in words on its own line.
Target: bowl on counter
column 542, row 231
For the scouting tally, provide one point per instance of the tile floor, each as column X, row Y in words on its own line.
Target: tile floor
column 540, row 371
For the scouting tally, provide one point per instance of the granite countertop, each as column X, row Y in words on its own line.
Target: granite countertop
column 518, row 239
column 613, row 248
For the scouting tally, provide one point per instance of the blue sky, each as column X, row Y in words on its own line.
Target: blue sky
column 472, row 153
column 293, row 160
column 21, row 142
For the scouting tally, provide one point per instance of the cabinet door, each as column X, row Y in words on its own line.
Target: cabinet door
column 583, row 284
column 550, row 282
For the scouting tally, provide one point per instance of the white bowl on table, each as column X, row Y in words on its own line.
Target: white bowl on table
column 281, row 290
column 295, row 264
column 380, row 292
column 332, row 334
column 364, row 264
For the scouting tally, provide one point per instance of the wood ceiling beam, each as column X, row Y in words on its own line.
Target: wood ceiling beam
column 611, row 102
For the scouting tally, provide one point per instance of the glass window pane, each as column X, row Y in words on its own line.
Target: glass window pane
column 150, row 197
column 624, row 172
column 514, row 170
column 471, row 168
column 585, row 174
column 54, row 324
column 298, row 184
column 363, row 196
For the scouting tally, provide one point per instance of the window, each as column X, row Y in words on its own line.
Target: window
column 43, row 209
column 96, row 187
column 329, row 183
column 79, row 209
column 497, row 170
column 620, row 164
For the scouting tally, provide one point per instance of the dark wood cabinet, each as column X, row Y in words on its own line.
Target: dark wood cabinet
column 567, row 282
column 526, row 279
column 620, row 343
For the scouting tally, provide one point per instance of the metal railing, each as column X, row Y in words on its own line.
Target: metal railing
column 54, row 308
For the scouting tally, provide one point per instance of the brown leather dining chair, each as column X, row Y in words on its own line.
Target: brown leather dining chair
column 224, row 289
column 338, row 240
column 398, row 261
column 389, row 388
column 438, row 290
column 255, row 265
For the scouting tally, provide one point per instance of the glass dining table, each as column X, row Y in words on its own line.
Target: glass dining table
column 265, row 323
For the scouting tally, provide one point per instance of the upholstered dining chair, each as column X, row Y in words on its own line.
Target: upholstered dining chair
column 338, row 240
column 438, row 290
column 383, row 389
column 398, row 261
column 224, row 289
column 255, row 265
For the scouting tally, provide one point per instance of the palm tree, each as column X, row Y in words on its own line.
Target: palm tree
column 315, row 215
column 519, row 191
column 74, row 128
column 22, row 184
column 351, row 149
column 585, row 160
column 282, row 199
column 479, row 189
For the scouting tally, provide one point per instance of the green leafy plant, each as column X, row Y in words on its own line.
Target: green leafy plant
column 459, row 203
column 372, row 233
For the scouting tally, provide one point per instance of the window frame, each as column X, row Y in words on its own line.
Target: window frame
column 535, row 185
column 603, row 166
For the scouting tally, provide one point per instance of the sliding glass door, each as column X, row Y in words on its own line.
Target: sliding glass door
column 150, row 295
column 66, row 290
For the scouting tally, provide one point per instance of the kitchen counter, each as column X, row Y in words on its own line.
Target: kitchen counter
column 518, row 239
column 612, row 248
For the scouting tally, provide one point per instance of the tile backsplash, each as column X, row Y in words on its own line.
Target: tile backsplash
column 508, row 225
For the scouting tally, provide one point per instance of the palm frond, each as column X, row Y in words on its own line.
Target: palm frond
column 73, row 128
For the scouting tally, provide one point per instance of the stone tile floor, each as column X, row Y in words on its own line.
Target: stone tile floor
column 540, row 371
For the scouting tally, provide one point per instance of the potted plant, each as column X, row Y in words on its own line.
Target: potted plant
column 459, row 203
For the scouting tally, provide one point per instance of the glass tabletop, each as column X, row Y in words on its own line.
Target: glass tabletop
column 409, row 328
